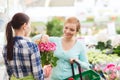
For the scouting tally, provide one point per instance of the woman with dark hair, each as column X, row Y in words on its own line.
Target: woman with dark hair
column 21, row 56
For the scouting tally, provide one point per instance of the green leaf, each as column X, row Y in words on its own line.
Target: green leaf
column 48, row 58
column 100, row 45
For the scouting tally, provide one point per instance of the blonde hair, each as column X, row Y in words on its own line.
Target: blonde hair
column 73, row 20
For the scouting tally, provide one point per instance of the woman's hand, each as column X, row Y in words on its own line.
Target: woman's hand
column 41, row 38
column 47, row 70
column 72, row 60
column 44, row 38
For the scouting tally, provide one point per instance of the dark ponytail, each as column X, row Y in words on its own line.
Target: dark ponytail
column 9, row 37
column 15, row 24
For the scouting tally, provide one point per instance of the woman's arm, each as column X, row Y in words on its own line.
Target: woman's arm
column 41, row 37
column 83, row 61
column 82, row 58
column 36, row 64
column 36, row 37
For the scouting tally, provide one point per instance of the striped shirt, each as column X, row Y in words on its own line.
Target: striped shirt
column 26, row 59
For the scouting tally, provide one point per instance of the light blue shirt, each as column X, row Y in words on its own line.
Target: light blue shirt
column 63, row 68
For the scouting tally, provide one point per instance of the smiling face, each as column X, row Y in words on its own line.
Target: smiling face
column 71, row 27
column 69, row 30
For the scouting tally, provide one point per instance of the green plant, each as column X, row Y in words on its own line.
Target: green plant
column 100, row 45
column 118, row 30
column 34, row 32
column 54, row 27
column 37, row 27
column 96, row 57
column 104, row 45
column 117, row 50
column 90, row 18
column 108, row 44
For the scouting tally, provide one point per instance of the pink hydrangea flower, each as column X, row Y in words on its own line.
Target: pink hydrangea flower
column 110, row 67
column 47, row 47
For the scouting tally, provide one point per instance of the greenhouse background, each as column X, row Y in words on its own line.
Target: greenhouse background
column 100, row 22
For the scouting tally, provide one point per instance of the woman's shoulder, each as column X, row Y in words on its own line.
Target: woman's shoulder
column 25, row 43
column 80, row 42
column 55, row 39
column 31, row 46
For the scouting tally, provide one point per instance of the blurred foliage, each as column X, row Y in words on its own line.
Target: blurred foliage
column 118, row 25
column 96, row 56
column 104, row 45
column 118, row 29
column 116, row 50
column 107, row 48
column 54, row 27
column 34, row 32
column 90, row 19
column 34, row 26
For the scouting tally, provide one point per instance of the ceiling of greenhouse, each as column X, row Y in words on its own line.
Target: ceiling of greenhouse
column 45, row 8
column 32, row 3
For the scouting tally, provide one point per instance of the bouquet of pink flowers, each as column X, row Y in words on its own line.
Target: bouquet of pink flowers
column 46, row 52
